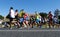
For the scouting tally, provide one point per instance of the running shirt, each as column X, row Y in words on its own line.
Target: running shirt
column 0, row 21
column 55, row 20
column 50, row 16
column 26, row 16
column 21, row 13
column 39, row 17
column 12, row 14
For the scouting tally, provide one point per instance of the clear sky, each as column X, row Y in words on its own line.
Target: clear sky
column 30, row 6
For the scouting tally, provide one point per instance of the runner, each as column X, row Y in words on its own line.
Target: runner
column 50, row 19
column 17, row 18
column 31, row 21
column 38, row 19
column 26, row 19
column 12, row 15
column 55, row 20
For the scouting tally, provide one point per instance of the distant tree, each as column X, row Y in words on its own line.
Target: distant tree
column 43, row 14
column 57, row 12
column 58, row 17
column 1, row 17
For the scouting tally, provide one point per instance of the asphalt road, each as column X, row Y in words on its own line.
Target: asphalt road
column 30, row 32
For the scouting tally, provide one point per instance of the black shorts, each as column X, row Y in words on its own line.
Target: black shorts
column 11, row 19
column 17, row 18
column 50, row 19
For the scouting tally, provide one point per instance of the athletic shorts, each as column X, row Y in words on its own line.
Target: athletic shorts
column 11, row 19
column 21, row 19
column 37, row 21
column 50, row 19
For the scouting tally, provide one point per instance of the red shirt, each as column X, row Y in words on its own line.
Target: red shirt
column 25, row 16
column 50, row 15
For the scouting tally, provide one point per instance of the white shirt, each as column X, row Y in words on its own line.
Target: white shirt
column 12, row 13
column 40, row 18
column 0, row 21
column 55, row 19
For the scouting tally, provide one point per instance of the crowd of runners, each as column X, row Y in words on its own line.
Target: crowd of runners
column 23, row 19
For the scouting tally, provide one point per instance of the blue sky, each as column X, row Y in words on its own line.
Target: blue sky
column 30, row 6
